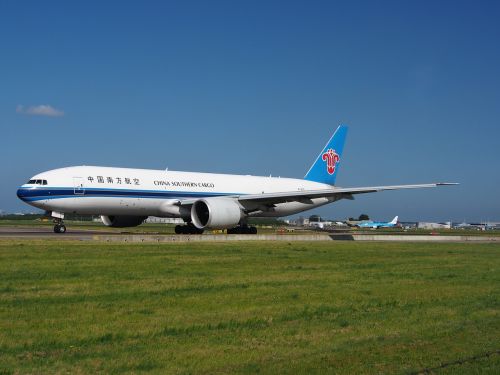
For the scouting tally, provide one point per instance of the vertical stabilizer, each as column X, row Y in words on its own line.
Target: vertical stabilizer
column 394, row 221
column 326, row 165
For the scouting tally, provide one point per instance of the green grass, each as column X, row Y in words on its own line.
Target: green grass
column 330, row 307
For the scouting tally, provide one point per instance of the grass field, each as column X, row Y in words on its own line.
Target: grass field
column 330, row 307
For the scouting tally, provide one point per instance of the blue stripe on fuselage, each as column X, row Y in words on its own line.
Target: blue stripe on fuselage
column 35, row 194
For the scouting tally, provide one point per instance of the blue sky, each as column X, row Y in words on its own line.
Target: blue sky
column 257, row 87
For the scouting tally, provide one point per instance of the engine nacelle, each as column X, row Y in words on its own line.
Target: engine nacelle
column 122, row 221
column 217, row 213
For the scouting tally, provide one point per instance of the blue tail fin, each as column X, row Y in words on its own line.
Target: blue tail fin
column 326, row 165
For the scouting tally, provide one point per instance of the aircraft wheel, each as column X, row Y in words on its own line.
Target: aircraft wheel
column 191, row 229
column 242, row 229
column 235, row 230
column 187, row 229
column 247, row 230
column 59, row 228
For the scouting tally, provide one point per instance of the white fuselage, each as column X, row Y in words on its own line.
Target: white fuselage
column 145, row 192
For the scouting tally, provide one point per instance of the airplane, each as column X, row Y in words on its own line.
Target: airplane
column 378, row 224
column 125, row 197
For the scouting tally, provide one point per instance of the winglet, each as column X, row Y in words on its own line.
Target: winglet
column 326, row 165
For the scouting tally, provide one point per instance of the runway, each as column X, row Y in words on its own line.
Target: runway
column 42, row 232
column 23, row 233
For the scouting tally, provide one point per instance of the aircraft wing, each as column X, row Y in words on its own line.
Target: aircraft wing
column 346, row 193
column 341, row 192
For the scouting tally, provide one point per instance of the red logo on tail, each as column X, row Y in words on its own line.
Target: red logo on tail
column 331, row 158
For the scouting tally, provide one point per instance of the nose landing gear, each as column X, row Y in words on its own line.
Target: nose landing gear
column 59, row 228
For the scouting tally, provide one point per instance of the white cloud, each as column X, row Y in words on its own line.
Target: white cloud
column 39, row 110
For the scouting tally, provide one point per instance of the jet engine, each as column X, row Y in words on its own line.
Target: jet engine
column 216, row 213
column 123, row 221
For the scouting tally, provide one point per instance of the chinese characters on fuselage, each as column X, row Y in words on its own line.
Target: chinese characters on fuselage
column 113, row 180
column 136, row 181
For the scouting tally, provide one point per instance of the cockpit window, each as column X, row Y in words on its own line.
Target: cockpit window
column 37, row 182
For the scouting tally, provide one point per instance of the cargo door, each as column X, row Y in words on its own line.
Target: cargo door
column 79, row 189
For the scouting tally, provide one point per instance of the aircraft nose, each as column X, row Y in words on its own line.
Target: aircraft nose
column 21, row 193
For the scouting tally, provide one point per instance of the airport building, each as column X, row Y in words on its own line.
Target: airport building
column 164, row 220
column 427, row 225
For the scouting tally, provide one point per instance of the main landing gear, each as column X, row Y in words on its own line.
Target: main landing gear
column 187, row 229
column 191, row 229
column 242, row 229
column 59, row 226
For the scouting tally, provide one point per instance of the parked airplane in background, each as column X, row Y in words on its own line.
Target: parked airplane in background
column 379, row 224
column 126, row 197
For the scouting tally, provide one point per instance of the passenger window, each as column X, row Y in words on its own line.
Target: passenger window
column 44, row 182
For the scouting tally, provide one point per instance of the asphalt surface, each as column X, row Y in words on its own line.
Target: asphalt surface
column 42, row 232
column 37, row 233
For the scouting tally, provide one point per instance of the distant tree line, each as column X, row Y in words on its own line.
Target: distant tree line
column 361, row 217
